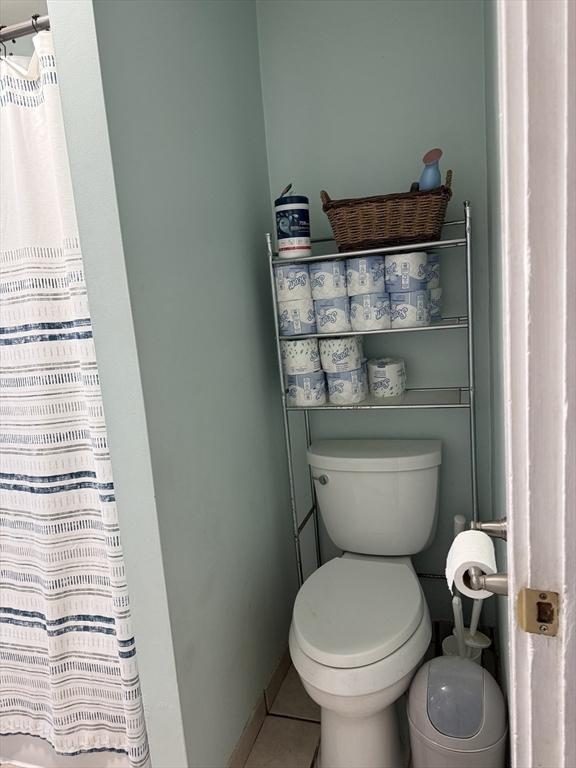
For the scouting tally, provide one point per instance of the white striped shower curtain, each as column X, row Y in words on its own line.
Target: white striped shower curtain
column 68, row 668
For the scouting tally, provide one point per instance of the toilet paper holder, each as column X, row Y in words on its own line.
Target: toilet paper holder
column 498, row 529
column 497, row 583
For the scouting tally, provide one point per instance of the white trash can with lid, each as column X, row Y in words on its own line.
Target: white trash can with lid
column 457, row 716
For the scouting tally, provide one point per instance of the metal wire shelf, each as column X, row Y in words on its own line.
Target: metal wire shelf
column 428, row 246
column 455, row 398
column 423, row 397
column 446, row 324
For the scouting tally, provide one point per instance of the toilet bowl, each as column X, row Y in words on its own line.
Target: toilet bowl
column 360, row 625
column 360, row 629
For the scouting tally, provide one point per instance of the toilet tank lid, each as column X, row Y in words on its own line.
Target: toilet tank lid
column 375, row 455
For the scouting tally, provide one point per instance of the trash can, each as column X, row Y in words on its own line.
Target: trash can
column 457, row 716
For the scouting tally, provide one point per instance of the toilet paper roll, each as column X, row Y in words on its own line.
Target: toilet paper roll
column 292, row 282
column 365, row 275
column 300, row 356
column 364, row 378
column 409, row 310
column 346, row 387
column 406, row 271
column 387, row 376
column 305, row 389
column 296, row 317
column 469, row 549
column 328, row 279
column 433, row 275
column 370, row 312
column 341, row 354
column 333, row 315
column 435, row 303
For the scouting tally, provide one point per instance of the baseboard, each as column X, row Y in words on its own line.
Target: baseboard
column 249, row 735
column 252, row 729
column 277, row 678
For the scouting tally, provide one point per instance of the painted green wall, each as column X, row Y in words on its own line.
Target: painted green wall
column 182, row 89
column 354, row 94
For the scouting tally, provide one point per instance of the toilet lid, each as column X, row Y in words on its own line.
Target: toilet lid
column 355, row 611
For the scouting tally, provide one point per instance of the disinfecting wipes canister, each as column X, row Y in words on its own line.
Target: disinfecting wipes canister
column 296, row 317
column 306, row 389
column 328, row 279
column 343, row 354
column 370, row 312
column 292, row 282
column 293, row 226
column 332, row 315
column 387, row 377
column 300, row 355
column 406, row 271
column 365, row 275
column 346, row 387
column 409, row 310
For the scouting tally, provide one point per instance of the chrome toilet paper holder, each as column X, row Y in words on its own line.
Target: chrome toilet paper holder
column 475, row 579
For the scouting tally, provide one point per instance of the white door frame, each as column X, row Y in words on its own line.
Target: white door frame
column 537, row 87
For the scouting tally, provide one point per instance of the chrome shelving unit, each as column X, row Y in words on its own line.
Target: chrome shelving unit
column 417, row 398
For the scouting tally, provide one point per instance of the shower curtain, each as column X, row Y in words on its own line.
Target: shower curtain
column 67, row 655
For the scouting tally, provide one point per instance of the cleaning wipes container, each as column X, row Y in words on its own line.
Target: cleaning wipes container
column 457, row 716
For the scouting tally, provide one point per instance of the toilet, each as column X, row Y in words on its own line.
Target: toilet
column 360, row 625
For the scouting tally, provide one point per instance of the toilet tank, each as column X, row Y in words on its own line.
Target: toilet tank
column 377, row 497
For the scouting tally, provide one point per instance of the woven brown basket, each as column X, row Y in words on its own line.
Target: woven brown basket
column 374, row 222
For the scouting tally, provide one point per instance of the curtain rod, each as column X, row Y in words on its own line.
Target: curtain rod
column 24, row 28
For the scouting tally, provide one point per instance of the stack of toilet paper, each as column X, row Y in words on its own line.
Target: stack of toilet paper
column 305, row 380
column 369, row 302
column 413, row 283
column 345, row 368
column 295, row 307
column 331, row 305
column 433, row 285
column 386, row 376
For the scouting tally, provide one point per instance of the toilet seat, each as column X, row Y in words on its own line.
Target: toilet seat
column 354, row 611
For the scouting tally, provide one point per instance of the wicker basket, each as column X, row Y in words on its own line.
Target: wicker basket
column 374, row 222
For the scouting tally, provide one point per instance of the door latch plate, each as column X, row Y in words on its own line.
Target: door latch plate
column 538, row 611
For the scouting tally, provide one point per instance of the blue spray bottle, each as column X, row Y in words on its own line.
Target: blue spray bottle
column 431, row 178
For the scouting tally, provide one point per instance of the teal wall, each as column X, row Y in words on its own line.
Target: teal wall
column 182, row 89
column 346, row 97
column 354, row 94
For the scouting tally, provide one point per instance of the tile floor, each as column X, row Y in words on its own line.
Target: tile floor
column 290, row 735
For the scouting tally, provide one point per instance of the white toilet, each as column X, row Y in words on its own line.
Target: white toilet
column 361, row 626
